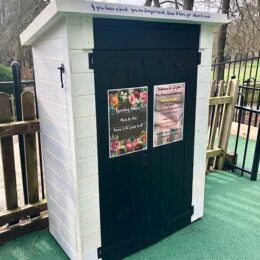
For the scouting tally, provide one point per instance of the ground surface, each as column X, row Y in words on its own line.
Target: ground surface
column 229, row 230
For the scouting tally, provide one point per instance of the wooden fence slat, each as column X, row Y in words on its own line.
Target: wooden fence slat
column 37, row 223
column 216, row 118
column 228, row 113
column 28, row 106
column 212, row 93
column 220, row 100
column 18, row 128
column 213, row 153
column 7, row 149
column 22, row 212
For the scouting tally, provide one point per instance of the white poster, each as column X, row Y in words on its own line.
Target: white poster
column 168, row 114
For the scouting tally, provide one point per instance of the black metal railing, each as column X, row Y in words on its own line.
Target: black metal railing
column 247, row 110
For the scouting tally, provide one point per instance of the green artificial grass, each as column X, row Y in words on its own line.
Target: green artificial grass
column 230, row 229
column 38, row 245
column 240, row 151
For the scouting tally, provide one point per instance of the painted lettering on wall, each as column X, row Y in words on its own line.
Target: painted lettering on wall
column 147, row 11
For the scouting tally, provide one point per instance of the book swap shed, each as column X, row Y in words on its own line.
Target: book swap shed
column 123, row 96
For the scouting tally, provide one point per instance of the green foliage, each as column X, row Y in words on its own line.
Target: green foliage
column 5, row 75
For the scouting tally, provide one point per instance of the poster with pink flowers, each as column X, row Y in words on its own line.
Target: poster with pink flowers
column 127, row 119
column 168, row 114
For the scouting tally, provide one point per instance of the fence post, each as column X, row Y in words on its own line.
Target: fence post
column 256, row 157
column 228, row 113
column 39, row 139
column 7, row 149
column 28, row 106
column 13, row 107
column 212, row 93
column 216, row 118
column 17, row 91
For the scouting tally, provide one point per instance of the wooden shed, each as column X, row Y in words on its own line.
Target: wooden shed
column 123, row 97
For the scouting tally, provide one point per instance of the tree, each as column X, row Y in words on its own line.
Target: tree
column 186, row 5
column 221, row 39
column 243, row 33
column 15, row 16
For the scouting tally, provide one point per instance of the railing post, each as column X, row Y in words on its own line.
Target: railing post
column 16, row 68
column 256, row 157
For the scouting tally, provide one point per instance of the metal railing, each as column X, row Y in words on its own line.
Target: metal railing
column 247, row 110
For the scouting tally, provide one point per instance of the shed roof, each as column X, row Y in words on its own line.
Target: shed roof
column 60, row 8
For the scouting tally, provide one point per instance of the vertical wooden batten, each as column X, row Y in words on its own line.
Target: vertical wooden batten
column 28, row 107
column 8, row 155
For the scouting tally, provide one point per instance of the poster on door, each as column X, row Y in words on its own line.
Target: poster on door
column 127, row 120
column 168, row 114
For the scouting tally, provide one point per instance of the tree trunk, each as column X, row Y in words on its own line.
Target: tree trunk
column 188, row 4
column 148, row 3
column 156, row 3
column 221, row 42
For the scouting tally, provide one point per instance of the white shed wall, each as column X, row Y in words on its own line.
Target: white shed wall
column 81, row 43
column 201, row 123
column 56, row 136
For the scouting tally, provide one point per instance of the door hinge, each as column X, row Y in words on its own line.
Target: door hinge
column 99, row 252
column 91, row 61
column 191, row 210
column 199, row 58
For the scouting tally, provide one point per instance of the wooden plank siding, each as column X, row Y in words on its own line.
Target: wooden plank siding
column 84, row 114
column 57, row 135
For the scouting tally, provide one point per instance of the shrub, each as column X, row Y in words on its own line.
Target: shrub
column 5, row 75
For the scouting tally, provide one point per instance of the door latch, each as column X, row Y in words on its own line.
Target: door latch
column 62, row 71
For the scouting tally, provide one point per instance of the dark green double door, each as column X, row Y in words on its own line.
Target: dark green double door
column 146, row 195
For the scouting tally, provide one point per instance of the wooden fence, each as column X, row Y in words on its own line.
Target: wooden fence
column 17, row 219
column 221, row 111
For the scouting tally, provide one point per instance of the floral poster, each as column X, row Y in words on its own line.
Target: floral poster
column 168, row 115
column 127, row 119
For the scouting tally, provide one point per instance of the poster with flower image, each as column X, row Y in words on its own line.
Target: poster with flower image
column 127, row 119
column 168, row 114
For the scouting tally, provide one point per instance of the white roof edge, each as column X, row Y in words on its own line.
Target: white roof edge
column 48, row 17
column 59, row 8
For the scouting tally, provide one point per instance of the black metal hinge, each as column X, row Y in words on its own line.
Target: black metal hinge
column 199, row 58
column 90, row 61
column 99, row 252
column 191, row 210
